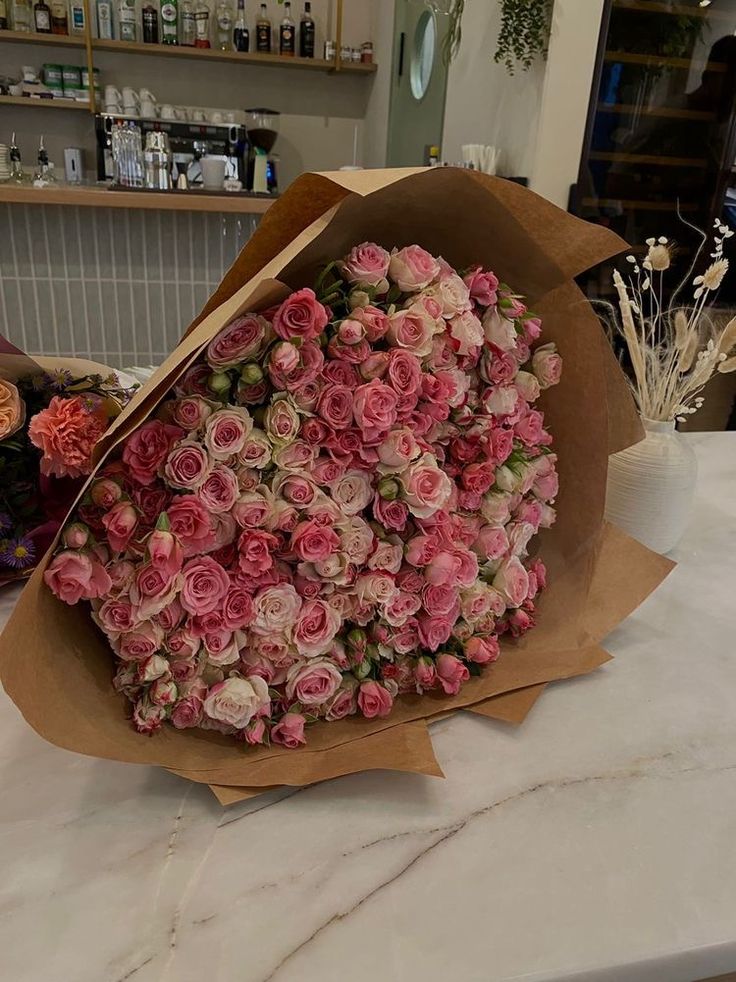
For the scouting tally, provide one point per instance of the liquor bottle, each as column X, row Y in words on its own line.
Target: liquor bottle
column 241, row 35
column 127, row 26
column 287, row 33
column 149, row 17
column 22, row 16
column 43, row 175
column 16, row 165
column 202, row 25
column 187, row 27
column 169, row 18
column 3, row 16
column 59, row 17
column 42, row 17
column 306, row 33
column 263, row 31
column 104, row 20
column 78, row 20
column 224, row 26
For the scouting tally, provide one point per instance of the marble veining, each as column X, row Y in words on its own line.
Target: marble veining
column 595, row 842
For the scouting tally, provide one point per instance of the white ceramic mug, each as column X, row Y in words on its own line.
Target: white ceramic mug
column 130, row 97
column 112, row 95
column 229, row 117
column 148, row 109
column 216, row 117
column 180, row 112
column 167, row 111
column 213, row 172
column 196, row 115
column 146, row 95
column 113, row 109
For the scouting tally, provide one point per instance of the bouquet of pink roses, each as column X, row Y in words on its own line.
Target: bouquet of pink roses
column 334, row 506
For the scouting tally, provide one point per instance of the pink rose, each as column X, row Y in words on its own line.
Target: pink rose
column 451, row 673
column 120, row 523
column 356, row 541
column 146, row 449
column 284, row 358
column 219, row 491
column 404, row 372
column 205, row 585
column 352, row 491
column 501, row 400
column 314, row 543
column 530, row 429
column 547, row 365
column 236, row 701
column 116, row 616
column 406, row 638
column 340, row 372
column 242, row 340
column 255, row 551
column 311, row 364
column 256, row 450
column 276, row 609
column 478, row 477
column 187, row 466
column 295, row 456
column 190, row 412
column 191, row 523
column 467, row 332
column 440, row 599
column 425, row 674
column 152, row 590
column 482, row 285
column 532, row 329
column 151, row 501
column 373, row 320
column 387, row 556
column 413, row 268
column 482, row 650
column 171, row 616
column 317, row 625
column 427, row 489
column 295, row 489
column 194, row 382
column 374, row 700
column 255, row 732
column 237, row 609
column 121, row 573
column 300, row 316
column 454, row 566
column 528, row 386
column 344, row 702
column 289, row 731
column 312, row 683
column 165, row 552
column 281, row 422
column 393, row 515
column 188, row 711
column 434, row 631
column 413, row 330
column 401, row 608
column 499, row 330
column 367, row 265
column 351, row 331
column 105, row 493
column 375, row 588
column 375, row 365
column 491, row 543
column 226, row 432
column 374, row 408
column 512, row 581
column 222, row 648
column 148, row 718
column 140, row 643
column 335, row 406
column 182, row 644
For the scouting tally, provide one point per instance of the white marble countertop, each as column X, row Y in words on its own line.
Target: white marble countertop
column 597, row 841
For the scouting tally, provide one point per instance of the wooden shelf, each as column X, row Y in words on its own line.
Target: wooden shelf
column 632, row 59
column 649, row 158
column 679, row 9
column 29, row 103
column 667, row 112
column 31, row 37
column 670, row 206
column 102, row 197
column 239, row 57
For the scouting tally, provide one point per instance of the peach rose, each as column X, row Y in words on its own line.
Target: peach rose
column 12, row 410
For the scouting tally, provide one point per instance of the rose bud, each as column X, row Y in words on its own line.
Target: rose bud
column 105, row 493
column 152, row 668
column 251, row 373
column 163, row 692
column 219, row 383
column 357, row 639
column 389, row 489
column 351, row 332
column 362, row 669
column 358, row 298
column 76, row 536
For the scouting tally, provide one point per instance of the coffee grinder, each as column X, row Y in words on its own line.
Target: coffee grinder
column 263, row 128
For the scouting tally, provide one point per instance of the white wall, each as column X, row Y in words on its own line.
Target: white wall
column 536, row 117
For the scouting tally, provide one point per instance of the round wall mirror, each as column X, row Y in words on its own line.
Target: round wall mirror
column 422, row 56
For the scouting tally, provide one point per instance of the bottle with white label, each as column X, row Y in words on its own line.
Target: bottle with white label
column 169, row 18
column 127, row 21
column 202, row 25
column 104, row 20
column 77, row 18
column 187, row 26
column 21, row 16
column 224, row 26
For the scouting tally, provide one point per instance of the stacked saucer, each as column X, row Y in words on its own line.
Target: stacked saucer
column 4, row 162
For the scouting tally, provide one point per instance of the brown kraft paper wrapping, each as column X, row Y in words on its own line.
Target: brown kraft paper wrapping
column 57, row 667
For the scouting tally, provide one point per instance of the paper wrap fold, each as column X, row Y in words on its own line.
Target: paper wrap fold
column 57, row 667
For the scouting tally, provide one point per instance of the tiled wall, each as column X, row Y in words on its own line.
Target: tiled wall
column 113, row 285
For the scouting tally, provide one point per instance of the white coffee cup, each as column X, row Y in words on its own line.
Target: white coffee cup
column 113, row 109
column 112, row 95
column 213, row 172
column 180, row 112
column 146, row 95
column 130, row 97
column 148, row 109
column 229, row 117
column 216, row 117
column 196, row 115
column 167, row 111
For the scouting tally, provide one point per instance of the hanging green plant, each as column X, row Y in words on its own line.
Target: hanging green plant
column 524, row 34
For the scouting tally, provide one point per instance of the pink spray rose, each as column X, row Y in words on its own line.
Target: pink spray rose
column 289, row 731
column 451, row 673
column 165, row 552
column 191, row 523
column 335, row 406
column 374, row 700
column 313, row 542
column 413, row 268
column 205, row 585
column 255, row 551
column 240, row 341
column 75, row 576
column 312, row 683
column 482, row 650
column 276, row 609
column 226, row 432
column 483, row 286
column 190, row 412
column 427, row 489
column 547, row 365
column 374, row 408
column 367, row 265
column 146, row 449
column 219, row 491
column 300, row 316
column 187, row 466
column 512, row 581
column 316, row 626
column 236, row 700
column 120, row 523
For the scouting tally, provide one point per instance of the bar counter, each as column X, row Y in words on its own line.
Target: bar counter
column 99, row 196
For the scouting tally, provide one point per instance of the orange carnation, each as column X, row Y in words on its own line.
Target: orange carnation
column 66, row 431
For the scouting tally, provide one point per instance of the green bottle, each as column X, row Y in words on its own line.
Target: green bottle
column 169, row 18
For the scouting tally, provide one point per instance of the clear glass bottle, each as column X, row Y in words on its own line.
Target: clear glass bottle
column 202, row 25
column 224, row 26
column 22, row 16
column 78, row 21
column 306, row 33
column 187, row 27
column 263, row 31
column 127, row 25
column 42, row 17
column 16, row 165
column 104, row 20
column 287, row 33
column 169, row 22
column 43, row 175
column 149, row 19
column 59, row 17
column 241, row 34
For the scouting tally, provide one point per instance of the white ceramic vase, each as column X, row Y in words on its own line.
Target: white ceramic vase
column 651, row 486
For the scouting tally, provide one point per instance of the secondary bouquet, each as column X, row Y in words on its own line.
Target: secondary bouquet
column 50, row 420
column 369, row 537
column 324, row 504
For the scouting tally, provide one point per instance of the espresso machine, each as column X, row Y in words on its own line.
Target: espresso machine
column 187, row 143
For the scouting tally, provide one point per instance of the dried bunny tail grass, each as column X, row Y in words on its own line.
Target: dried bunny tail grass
column 688, row 352
column 681, row 330
column 636, row 347
column 728, row 337
column 729, row 365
